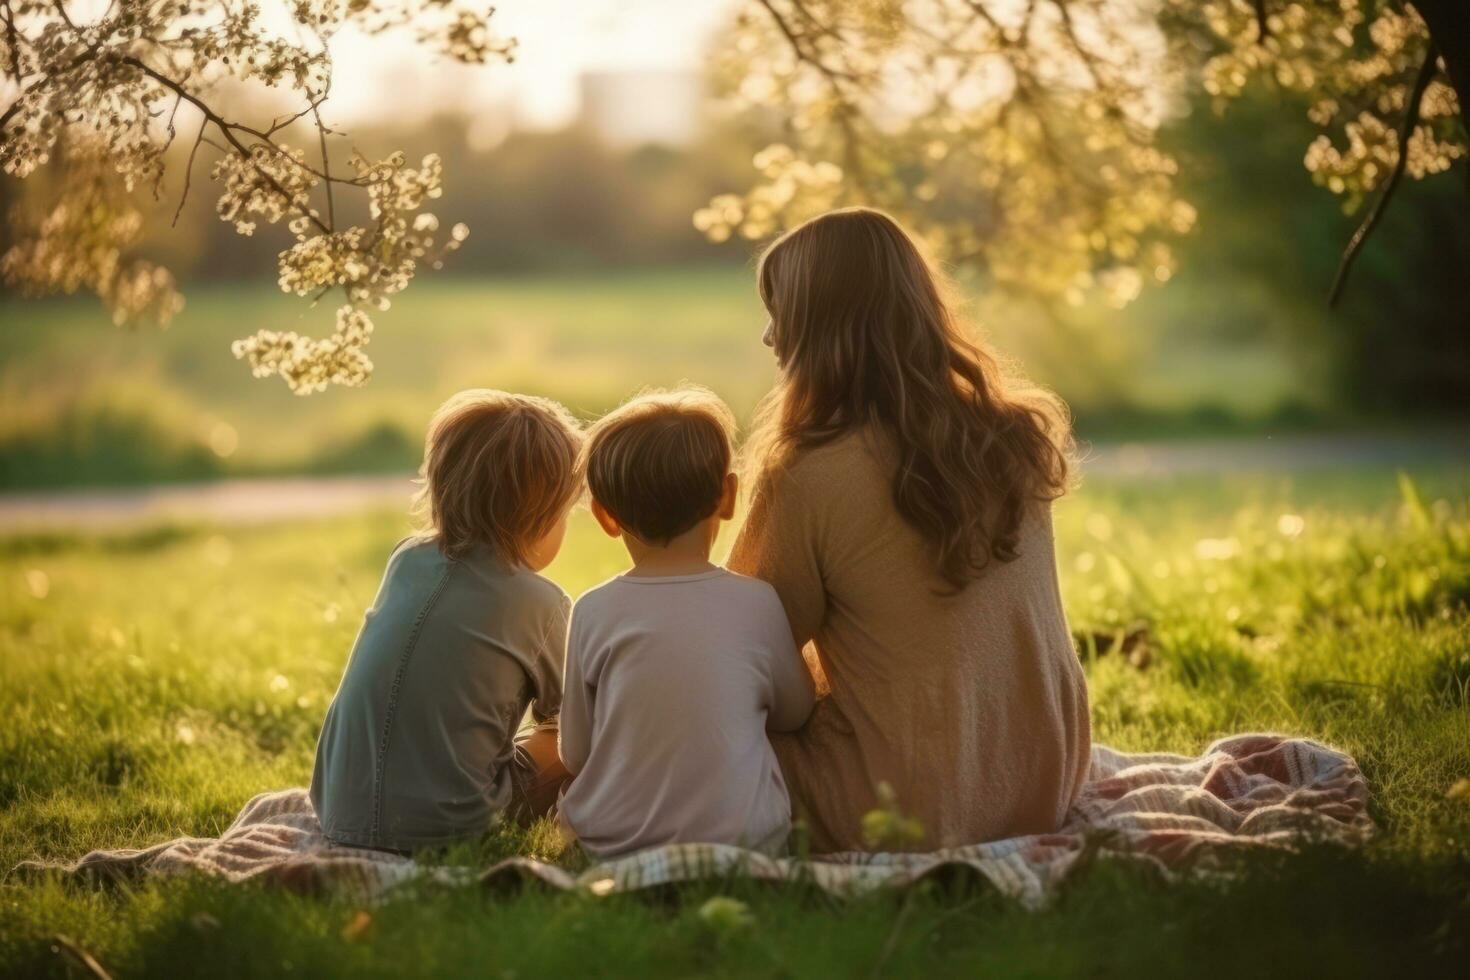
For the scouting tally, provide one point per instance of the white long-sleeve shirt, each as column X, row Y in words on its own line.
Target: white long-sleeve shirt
column 671, row 684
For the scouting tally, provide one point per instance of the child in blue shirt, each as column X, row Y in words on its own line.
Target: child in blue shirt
column 419, row 747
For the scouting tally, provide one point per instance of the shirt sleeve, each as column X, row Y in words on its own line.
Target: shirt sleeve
column 549, row 660
column 778, row 544
column 793, row 693
column 574, row 736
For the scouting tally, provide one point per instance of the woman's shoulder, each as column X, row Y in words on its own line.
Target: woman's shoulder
column 845, row 464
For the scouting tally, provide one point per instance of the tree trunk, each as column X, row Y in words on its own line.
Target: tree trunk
column 1449, row 25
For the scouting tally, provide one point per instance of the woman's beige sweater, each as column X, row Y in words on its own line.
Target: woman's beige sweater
column 972, row 707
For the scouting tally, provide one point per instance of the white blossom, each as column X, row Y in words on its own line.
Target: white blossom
column 96, row 103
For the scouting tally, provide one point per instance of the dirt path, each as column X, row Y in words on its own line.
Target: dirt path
column 254, row 500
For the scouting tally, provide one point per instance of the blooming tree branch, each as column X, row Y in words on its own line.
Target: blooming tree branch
column 1381, row 93
column 1020, row 136
column 86, row 102
column 1405, row 134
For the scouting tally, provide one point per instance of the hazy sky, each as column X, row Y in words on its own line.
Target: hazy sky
column 559, row 39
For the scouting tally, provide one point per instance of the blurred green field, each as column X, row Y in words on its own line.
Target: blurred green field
column 85, row 402
column 153, row 680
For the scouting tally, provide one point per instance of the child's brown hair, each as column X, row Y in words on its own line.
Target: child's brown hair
column 658, row 462
column 499, row 469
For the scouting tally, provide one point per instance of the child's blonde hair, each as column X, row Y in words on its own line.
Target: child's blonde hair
column 658, row 462
column 499, row 469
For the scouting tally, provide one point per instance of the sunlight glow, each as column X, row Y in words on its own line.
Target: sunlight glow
column 559, row 42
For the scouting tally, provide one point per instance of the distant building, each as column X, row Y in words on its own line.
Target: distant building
column 627, row 108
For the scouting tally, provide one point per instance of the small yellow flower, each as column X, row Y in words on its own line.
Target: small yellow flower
column 887, row 827
column 726, row 915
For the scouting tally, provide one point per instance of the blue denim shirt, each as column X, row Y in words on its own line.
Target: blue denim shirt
column 417, row 746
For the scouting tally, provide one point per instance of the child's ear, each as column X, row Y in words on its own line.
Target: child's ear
column 728, row 496
column 604, row 517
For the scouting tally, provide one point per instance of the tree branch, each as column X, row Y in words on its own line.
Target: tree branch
column 801, row 47
column 189, row 171
column 281, row 122
column 1025, row 29
column 227, row 130
column 173, row 114
column 1089, row 60
column 71, row 66
column 61, row 9
column 1449, row 25
column 11, row 40
column 1406, row 133
column 984, row 14
column 835, row 79
column 321, row 132
column 1263, row 18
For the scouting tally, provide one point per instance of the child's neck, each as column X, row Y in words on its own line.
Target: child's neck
column 688, row 554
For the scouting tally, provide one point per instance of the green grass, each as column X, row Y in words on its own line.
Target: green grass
column 151, row 681
column 69, row 379
column 82, row 401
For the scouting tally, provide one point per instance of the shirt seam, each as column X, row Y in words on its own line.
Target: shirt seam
column 544, row 652
column 673, row 579
column 382, row 760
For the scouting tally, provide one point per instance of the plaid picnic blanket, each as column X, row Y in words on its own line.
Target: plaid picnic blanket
column 1176, row 812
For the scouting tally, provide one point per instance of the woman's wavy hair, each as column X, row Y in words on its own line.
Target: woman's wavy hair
column 867, row 340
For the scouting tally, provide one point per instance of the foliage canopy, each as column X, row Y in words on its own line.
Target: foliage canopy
column 1020, row 137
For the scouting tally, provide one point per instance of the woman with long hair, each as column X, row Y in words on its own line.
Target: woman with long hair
column 901, row 508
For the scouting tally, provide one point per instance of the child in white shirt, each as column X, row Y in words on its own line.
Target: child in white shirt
column 676, row 669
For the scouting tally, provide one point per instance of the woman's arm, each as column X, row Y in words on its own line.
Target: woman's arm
column 780, row 544
column 793, row 693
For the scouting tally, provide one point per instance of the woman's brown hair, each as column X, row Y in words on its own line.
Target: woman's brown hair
column 867, row 341
column 499, row 470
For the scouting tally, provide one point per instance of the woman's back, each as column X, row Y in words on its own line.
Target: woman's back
column 971, row 705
